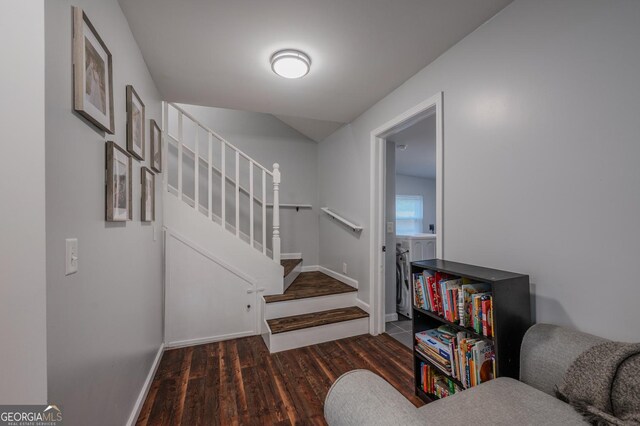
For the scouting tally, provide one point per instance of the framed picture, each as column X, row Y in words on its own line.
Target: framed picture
column 118, row 181
column 92, row 74
column 148, row 204
column 135, row 124
column 156, row 146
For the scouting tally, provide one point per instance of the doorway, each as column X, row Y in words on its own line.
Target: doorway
column 420, row 130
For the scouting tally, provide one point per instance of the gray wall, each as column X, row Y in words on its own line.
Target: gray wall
column 412, row 185
column 541, row 150
column 23, row 365
column 268, row 140
column 104, row 323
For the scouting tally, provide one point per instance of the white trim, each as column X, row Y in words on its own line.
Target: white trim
column 342, row 278
column 142, row 396
column 204, row 340
column 310, row 268
column 377, row 198
column 364, row 306
column 391, row 317
column 285, row 256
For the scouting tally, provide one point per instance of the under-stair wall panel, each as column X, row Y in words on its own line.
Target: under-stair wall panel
column 205, row 299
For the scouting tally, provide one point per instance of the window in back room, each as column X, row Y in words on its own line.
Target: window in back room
column 409, row 214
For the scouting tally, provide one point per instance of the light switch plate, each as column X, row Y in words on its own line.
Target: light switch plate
column 71, row 256
column 389, row 227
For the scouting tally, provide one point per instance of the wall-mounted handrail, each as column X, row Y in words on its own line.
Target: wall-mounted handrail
column 346, row 222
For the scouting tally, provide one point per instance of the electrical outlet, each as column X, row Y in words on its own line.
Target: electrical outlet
column 344, row 268
column 71, row 256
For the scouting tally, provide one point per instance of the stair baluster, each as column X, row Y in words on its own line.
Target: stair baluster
column 276, row 212
column 180, row 136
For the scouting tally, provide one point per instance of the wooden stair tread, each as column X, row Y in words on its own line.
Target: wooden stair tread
column 289, row 265
column 311, row 284
column 314, row 319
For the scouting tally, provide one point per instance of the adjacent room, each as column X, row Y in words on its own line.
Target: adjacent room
column 346, row 212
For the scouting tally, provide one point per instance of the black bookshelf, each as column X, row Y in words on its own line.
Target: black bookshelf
column 511, row 315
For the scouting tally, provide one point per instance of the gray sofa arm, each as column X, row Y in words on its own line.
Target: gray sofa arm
column 360, row 397
column 547, row 352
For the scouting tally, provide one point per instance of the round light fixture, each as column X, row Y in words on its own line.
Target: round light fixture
column 290, row 63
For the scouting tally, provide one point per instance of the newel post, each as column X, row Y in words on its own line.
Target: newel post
column 276, row 212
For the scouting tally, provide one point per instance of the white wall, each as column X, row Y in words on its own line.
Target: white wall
column 413, row 185
column 268, row 140
column 541, row 150
column 23, row 337
column 104, row 323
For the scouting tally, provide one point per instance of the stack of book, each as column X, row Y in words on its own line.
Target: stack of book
column 435, row 383
column 457, row 300
column 457, row 354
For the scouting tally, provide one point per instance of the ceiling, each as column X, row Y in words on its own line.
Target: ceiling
column 419, row 159
column 216, row 53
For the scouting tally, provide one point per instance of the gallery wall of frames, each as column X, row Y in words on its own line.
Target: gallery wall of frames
column 93, row 100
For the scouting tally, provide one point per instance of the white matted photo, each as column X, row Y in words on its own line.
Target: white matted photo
column 118, row 181
column 92, row 74
column 156, row 146
column 135, row 124
column 148, row 204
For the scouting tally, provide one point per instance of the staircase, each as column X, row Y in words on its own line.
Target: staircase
column 224, row 274
column 315, row 308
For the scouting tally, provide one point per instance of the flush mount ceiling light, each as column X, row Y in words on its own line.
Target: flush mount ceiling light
column 290, row 63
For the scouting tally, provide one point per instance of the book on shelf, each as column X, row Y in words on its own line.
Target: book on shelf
column 465, row 301
column 457, row 354
column 434, row 383
column 468, row 304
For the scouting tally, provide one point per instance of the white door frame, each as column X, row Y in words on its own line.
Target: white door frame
column 377, row 199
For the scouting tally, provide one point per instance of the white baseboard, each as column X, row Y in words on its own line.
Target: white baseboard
column 145, row 387
column 343, row 278
column 205, row 340
column 362, row 305
column 285, row 256
column 310, row 268
column 391, row 317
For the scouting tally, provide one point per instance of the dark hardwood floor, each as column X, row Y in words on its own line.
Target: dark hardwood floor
column 311, row 284
column 238, row 382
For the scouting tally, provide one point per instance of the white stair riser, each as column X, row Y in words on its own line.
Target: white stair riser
column 314, row 335
column 289, row 279
column 290, row 308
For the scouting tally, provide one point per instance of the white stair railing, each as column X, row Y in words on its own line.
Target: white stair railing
column 173, row 131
